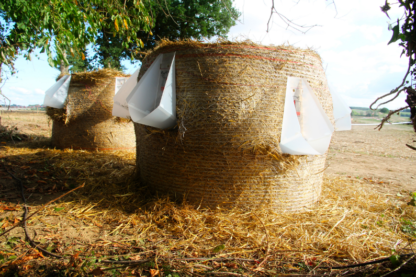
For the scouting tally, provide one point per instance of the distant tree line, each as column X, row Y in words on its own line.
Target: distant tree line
column 362, row 111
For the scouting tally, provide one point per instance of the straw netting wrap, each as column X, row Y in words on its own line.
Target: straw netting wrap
column 86, row 121
column 225, row 151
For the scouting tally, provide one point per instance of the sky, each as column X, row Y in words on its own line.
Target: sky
column 351, row 38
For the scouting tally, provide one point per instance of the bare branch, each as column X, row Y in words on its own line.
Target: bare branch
column 166, row 4
column 392, row 91
column 398, row 268
column 289, row 23
column 390, row 100
column 411, row 147
column 1, row 92
column 335, row 6
column 271, row 15
column 4, row 96
column 387, row 117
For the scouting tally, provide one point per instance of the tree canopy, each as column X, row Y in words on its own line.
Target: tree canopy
column 60, row 26
column 117, row 29
column 171, row 19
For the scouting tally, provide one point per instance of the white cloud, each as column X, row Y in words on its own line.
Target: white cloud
column 23, row 96
column 352, row 42
column 20, row 90
column 39, row 91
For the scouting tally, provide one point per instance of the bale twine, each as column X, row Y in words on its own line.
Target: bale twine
column 86, row 121
column 225, row 149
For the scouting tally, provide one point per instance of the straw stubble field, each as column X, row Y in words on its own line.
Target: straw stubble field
column 112, row 226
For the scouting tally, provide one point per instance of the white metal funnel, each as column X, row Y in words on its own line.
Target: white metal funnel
column 313, row 136
column 120, row 81
column 56, row 95
column 120, row 107
column 342, row 113
column 153, row 100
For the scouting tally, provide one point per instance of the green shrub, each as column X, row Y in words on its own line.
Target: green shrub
column 384, row 110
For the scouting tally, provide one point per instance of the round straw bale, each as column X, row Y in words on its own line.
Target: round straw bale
column 86, row 121
column 225, row 149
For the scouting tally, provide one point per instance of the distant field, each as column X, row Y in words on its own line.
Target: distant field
column 30, row 122
column 24, row 115
column 362, row 116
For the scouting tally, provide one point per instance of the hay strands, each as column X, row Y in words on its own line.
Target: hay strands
column 351, row 226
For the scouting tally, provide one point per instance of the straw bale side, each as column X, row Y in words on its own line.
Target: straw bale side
column 86, row 121
column 104, row 136
column 225, row 151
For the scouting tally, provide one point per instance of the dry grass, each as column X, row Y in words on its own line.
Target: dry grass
column 350, row 224
column 57, row 114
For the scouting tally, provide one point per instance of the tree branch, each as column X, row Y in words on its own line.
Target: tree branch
column 393, row 91
column 287, row 21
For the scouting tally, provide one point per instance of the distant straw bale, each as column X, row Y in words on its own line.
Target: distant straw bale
column 225, row 150
column 86, row 121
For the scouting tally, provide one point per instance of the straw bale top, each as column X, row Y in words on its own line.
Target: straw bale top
column 247, row 44
column 92, row 76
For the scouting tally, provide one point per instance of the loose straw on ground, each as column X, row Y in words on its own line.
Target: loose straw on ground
column 351, row 224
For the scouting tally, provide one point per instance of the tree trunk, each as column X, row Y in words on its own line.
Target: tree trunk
column 411, row 101
column 64, row 68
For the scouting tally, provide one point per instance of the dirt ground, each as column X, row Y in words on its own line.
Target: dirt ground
column 379, row 157
column 34, row 124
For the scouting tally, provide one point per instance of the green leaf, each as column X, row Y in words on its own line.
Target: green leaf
column 218, row 248
column 4, row 58
column 12, row 257
column 394, row 259
column 50, row 59
column 13, row 239
column 59, row 209
column 412, row 200
column 396, row 34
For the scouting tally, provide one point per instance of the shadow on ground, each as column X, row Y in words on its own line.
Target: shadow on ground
column 47, row 173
